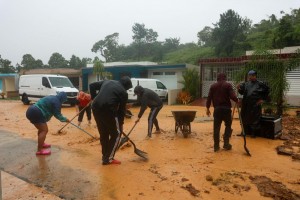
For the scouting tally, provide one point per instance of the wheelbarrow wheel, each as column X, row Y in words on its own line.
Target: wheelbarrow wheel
column 185, row 130
column 176, row 127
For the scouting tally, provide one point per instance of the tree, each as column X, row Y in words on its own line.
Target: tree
column 28, row 62
column 99, row 70
column 144, row 40
column 6, row 67
column 229, row 34
column 75, row 62
column 205, row 36
column 171, row 44
column 57, row 61
column 108, row 47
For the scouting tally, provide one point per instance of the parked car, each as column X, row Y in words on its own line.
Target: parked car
column 153, row 84
column 36, row 86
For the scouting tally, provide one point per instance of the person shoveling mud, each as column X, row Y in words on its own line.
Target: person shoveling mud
column 40, row 113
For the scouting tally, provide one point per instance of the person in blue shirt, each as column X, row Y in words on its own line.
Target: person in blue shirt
column 40, row 113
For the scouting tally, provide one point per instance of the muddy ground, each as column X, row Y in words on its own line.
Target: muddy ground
column 177, row 168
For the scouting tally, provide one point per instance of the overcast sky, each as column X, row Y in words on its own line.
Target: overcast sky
column 43, row 27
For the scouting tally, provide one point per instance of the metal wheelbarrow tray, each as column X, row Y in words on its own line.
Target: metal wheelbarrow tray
column 183, row 121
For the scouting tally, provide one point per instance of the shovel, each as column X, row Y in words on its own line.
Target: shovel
column 136, row 150
column 59, row 131
column 82, row 130
column 125, row 139
column 243, row 131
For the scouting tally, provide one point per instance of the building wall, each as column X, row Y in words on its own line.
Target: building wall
column 293, row 94
column 139, row 71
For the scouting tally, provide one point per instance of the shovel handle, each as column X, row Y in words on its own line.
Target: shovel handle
column 83, row 130
column 125, row 138
column 74, row 117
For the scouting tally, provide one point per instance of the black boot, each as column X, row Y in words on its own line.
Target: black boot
column 226, row 145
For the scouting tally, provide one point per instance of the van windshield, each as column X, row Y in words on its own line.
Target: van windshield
column 60, row 82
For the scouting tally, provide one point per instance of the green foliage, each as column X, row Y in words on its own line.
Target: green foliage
column 6, row 67
column 189, row 54
column 229, row 34
column 98, row 69
column 205, row 36
column 29, row 62
column 108, row 47
column 190, row 82
column 77, row 63
column 57, row 61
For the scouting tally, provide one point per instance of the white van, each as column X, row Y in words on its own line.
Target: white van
column 36, row 86
column 153, row 84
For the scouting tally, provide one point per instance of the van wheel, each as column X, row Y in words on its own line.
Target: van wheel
column 25, row 99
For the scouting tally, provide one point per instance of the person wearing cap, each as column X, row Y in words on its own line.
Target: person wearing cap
column 109, row 108
column 220, row 94
column 40, row 113
column 254, row 94
column 149, row 98
column 84, row 102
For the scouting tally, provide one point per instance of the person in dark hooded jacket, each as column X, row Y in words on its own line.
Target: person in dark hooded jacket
column 109, row 108
column 220, row 94
column 254, row 94
column 149, row 98
column 41, row 112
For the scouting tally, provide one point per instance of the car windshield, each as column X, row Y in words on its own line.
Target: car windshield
column 60, row 82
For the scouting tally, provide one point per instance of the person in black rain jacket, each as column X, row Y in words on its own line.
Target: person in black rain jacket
column 109, row 108
column 149, row 98
column 254, row 94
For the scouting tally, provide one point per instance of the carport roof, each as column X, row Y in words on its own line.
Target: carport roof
column 8, row 75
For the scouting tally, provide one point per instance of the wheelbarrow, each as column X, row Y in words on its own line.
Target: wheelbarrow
column 183, row 121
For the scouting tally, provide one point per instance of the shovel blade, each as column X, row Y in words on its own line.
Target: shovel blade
column 141, row 153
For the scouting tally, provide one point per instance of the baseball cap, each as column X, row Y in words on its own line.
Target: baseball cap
column 252, row 72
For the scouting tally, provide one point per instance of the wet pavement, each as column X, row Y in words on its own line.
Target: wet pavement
column 17, row 156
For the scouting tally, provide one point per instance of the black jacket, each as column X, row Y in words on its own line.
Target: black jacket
column 111, row 96
column 148, row 98
column 252, row 92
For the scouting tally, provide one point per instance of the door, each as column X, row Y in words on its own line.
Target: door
column 45, row 88
column 161, row 90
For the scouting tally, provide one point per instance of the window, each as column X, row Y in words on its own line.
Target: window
column 160, row 85
column 45, row 82
column 60, row 82
column 170, row 73
column 158, row 73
